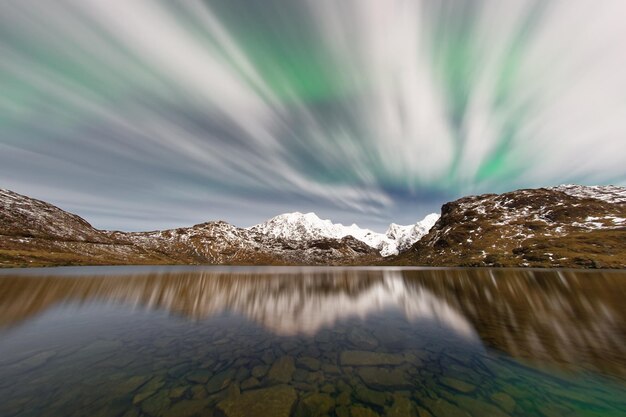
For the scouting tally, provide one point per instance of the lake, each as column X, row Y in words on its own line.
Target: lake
column 283, row 341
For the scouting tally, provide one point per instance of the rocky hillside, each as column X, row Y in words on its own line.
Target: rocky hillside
column 567, row 226
column 35, row 233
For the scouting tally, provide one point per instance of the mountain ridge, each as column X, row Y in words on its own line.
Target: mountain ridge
column 33, row 232
column 565, row 226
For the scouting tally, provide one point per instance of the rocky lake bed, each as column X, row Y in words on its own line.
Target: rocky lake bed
column 263, row 351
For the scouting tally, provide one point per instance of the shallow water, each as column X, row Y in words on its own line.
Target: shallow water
column 359, row 342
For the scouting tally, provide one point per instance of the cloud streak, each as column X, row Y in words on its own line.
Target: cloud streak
column 167, row 114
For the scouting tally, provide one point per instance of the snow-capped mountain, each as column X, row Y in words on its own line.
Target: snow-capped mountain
column 302, row 227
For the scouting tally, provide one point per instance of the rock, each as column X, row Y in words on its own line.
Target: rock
column 342, row 411
column 300, row 375
column 147, row 390
column 198, row 392
column 178, row 392
column 32, row 362
column 504, row 400
column 130, row 384
column 402, row 407
column 315, row 377
column 276, row 401
column 477, row 407
column 189, row 408
column 242, row 373
column 344, row 398
column 156, row 404
column 457, row 384
column 365, row 358
column 330, row 369
column 131, row 413
column 268, row 357
column 328, row 388
column 317, row 405
column 288, row 346
column 413, row 359
column 200, row 376
column 383, row 378
column 220, row 381
column 369, row 396
column 362, row 338
column 282, row 370
column 358, row 411
column 309, row 363
column 179, row 370
column 423, row 413
column 441, row 407
column 250, row 383
column 260, row 371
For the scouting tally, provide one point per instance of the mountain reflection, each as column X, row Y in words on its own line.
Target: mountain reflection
column 563, row 317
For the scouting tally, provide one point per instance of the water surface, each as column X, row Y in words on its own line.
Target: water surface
column 359, row 342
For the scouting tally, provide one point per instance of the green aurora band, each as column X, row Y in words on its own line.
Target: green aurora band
column 158, row 114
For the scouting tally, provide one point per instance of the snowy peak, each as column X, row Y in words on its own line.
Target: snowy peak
column 298, row 226
column 405, row 236
column 301, row 227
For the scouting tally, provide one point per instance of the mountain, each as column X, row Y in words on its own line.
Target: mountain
column 298, row 226
column 35, row 233
column 566, row 226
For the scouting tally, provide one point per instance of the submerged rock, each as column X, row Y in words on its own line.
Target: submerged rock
column 260, row 371
column 149, row 389
column 383, row 378
column 477, row 407
column 282, row 370
column 200, row 376
column 178, row 392
column 504, row 400
column 362, row 338
column 309, row 363
column 358, row 411
column 366, row 358
column 250, row 383
column 276, row 401
column 220, row 381
column 368, row 396
column 189, row 408
column 441, row 407
column 316, row 405
column 457, row 384
column 402, row 407
column 156, row 404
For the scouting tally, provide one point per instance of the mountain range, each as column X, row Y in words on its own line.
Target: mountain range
column 565, row 226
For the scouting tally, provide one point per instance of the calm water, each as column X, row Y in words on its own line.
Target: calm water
column 311, row 342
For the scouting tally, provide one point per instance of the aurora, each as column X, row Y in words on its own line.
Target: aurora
column 151, row 114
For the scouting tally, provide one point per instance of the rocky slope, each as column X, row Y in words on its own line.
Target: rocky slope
column 565, row 226
column 35, row 233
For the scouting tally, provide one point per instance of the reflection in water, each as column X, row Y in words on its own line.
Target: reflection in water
column 566, row 318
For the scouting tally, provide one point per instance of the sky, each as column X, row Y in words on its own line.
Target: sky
column 141, row 115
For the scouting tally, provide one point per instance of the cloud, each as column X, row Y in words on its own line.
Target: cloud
column 364, row 110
